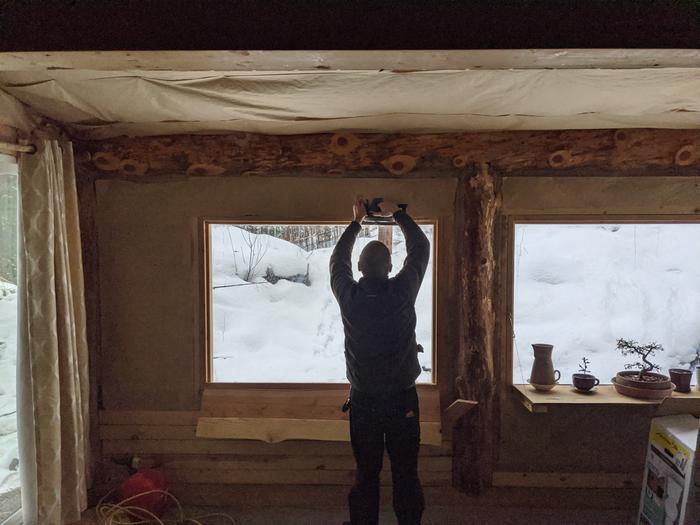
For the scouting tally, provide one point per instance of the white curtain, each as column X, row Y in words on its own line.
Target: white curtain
column 52, row 355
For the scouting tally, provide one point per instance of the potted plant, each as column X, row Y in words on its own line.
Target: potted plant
column 639, row 379
column 584, row 381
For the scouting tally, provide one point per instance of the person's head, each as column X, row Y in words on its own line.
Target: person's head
column 375, row 260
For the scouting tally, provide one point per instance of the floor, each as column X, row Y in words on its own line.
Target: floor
column 432, row 516
column 513, row 506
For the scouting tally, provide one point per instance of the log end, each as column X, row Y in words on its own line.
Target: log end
column 460, row 161
column 399, row 164
column 106, row 161
column 343, row 143
column 687, row 155
column 560, row 159
column 133, row 167
column 204, row 170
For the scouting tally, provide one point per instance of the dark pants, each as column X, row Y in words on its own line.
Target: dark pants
column 392, row 420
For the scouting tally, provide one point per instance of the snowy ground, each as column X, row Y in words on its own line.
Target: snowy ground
column 581, row 287
column 288, row 331
column 9, row 474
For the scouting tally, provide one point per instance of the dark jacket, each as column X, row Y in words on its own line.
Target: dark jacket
column 379, row 314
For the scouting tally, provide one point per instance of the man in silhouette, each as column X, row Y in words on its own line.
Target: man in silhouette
column 379, row 319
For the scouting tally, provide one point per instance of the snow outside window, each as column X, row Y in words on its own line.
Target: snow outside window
column 580, row 287
column 273, row 316
column 9, row 462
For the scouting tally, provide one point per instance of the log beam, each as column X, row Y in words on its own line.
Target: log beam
column 571, row 152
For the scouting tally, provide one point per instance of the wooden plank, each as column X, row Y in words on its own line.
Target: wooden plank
column 344, row 154
column 240, row 447
column 325, row 496
column 289, row 477
column 458, row 409
column 148, row 417
column 546, row 196
column 142, row 432
column 302, row 402
column 537, row 401
column 413, row 60
column 601, row 395
column 569, row 480
column 275, row 430
column 347, row 462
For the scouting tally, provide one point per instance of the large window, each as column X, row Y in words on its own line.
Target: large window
column 9, row 462
column 581, row 287
column 272, row 315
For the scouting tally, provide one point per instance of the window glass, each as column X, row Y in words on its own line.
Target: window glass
column 273, row 315
column 581, row 287
column 9, row 462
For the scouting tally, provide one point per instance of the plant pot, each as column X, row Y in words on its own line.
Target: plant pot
column 681, row 378
column 653, row 381
column 584, row 382
column 642, row 393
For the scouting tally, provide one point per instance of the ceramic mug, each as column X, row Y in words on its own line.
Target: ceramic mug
column 585, row 382
column 681, row 378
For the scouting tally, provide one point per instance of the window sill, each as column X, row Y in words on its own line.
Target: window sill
column 540, row 402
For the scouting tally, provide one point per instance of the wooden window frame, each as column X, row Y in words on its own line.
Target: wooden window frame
column 509, row 279
column 425, row 389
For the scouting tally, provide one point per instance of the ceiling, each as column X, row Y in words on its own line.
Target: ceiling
column 97, row 95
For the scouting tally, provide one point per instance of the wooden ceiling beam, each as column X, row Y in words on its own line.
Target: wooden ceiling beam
column 393, row 60
column 627, row 151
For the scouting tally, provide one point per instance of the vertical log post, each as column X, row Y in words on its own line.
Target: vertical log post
column 87, row 204
column 475, row 437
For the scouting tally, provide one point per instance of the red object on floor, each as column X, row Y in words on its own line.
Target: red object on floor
column 144, row 481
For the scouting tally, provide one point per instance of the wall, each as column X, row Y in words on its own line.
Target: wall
column 146, row 231
column 150, row 379
column 580, row 439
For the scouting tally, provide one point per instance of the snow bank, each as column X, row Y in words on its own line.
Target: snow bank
column 287, row 331
column 581, row 287
column 9, row 474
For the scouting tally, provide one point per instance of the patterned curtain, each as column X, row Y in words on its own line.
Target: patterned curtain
column 52, row 355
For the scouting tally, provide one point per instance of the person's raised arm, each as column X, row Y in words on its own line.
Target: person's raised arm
column 340, row 263
column 417, row 248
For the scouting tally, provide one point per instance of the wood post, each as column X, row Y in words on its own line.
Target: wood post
column 476, row 435
column 87, row 203
column 386, row 236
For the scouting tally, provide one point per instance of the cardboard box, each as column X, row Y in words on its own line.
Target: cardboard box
column 670, row 489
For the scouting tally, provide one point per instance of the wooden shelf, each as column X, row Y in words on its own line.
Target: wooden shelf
column 539, row 402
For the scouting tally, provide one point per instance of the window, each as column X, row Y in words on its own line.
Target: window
column 581, row 287
column 9, row 462
column 272, row 315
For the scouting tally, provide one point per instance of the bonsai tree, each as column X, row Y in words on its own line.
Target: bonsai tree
column 583, row 367
column 641, row 352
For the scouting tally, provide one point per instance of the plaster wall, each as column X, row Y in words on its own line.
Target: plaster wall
column 151, row 355
column 150, row 258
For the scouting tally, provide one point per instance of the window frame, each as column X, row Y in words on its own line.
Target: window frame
column 205, row 331
column 508, row 297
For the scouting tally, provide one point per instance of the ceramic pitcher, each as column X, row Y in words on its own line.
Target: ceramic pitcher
column 543, row 375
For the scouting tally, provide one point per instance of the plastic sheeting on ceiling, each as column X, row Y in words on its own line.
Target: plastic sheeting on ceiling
column 102, row 104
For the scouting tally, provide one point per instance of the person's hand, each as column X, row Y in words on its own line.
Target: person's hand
column 358, row 210
column 387, row 208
